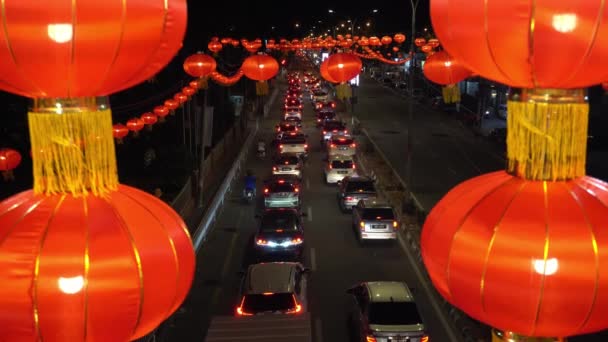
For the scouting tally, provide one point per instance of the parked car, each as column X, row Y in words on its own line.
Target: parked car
column 385, row 311
column 274, row 288
column 339, row 167
column 374, row 219
column 280, row 232
column 354, row 189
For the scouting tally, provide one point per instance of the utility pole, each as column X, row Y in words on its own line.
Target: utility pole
column 410, row 117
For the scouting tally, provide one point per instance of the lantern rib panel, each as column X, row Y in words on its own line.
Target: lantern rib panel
column 461, row 224
column 137, row 257
column 543, row 277
column 491, row 244
column 531, row 31
column 87, row 268
column 595, row 254
column 37, row 269
column 592, row 40
column 70, row 69
column 123, row 21
column 16, row 205
column 486, row 33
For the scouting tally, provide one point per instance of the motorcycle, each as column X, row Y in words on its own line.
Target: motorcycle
column 248, row 195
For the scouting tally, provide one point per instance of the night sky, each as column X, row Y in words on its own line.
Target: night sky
column 253, row 19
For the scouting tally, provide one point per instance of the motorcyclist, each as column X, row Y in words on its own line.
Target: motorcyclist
column 250, row 183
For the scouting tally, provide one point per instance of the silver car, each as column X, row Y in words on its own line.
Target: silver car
column 281, row 193
column 339, row 167
column 375, row 220
column 385, row 311
column 343, row 145
column 354, row 189
column 288, row 164
column 291, row 113
column 293, row 143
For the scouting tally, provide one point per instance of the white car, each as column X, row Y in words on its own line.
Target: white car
column 319, row 96
column 339, row 167
column 292, row 113
column 340, row 144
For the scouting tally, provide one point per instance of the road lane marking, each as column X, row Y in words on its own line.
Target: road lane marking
column 307, row 184
column 318, row 330
column 309, row 213
column 313, row 259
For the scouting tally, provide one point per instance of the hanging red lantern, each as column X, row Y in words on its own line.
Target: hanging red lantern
column 194, row 84
column 426, row 48
column 127, row 251
column 433, row 42
column 199, row 65
column 399, row 38
column 343, row 66
column 149, row 118
column 386, row 40
column 135, row 125
column 325, row 74
column 161, row 111
column 260, row 67
column 119, row 131
column 442, row 69
column 214, row 47
column 215, row 39
column 225, row 41
column 9, row 160
column 234, row 43
column 188, row 91
column 419, row 42
column 496, row 40
column 251, row 47
column 395, row 49
column 374, row 41
column 171, row 105
column 181, row 98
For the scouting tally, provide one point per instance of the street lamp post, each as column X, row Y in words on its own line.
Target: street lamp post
column 410, row 118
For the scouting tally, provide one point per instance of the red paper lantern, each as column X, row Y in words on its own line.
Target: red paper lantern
column 194, row 84
column 149, row 118
column 57, row 52
column 234, row 43
column 433, row 42
column 374, row 41
column 343, row 67
column 260, row 67
column 214, row 47
column 419, row 42
column 386, row 40
column 88, row 261
column 325, row 74
column 181, row 98
column 442, row 69
column 523, row 256
column 395, row 49
column 161, row 111
column 199, row 65
column 172, row 104
column 188, row 91
column 426, row 48
column 135, row 124
column 496, row 40
column 225, row 41
column 119, row 131
column 9, row 159
column 399, row 38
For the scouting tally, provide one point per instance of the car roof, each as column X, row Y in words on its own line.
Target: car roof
column 272, row 277
column 389, row 291
column 340, row 157
column 376, row 203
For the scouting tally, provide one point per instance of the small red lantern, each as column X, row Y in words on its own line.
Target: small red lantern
column 260, row 67
column 234, row 43
column 199, row 65
column 419, row 42
column 194, row 84
column 399, row 38
column 442, row 69
column 9, row 160
column 374, row 41
column 149, row 119
column 343, row 66
column 161, row 111
column 135, row 125
column 119, row 131
column 225, row 41
column 181, row 98
column 433, row 42
column 395, row 49
column 172, row 105
column 214, row 47
column 188, row 91
column 386, row 40
column 426, row 48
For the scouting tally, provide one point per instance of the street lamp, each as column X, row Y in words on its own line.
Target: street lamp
column 410, row 117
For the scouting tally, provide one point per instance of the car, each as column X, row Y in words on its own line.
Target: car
column 294, row 142
column 293, row 103
column 385, row 311
column 280, row 233
column 339, row 167
column 294, row 120
column 281, row 193
column 325, row 115
column 340, row 144
column 293, row 112
column 354, row 189
column 325, row 105
column 274, row 288
column 319, row 96
column 288, row 164
column 331, row 127
column 286, row 127
column 374, row 219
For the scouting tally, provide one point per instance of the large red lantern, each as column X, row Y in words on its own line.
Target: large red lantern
column 324, row 73
column 199, row 65
column 62, row 43
column 9, row 160
column 399, row 38
column 135, row 124
column 91, row 268
column 343, row 67
column 419, row 42
column 260, row 67
column 386, row 40
column 442, row 69
column 520, row 255
column 496, row 39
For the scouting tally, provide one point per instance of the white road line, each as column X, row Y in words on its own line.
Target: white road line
column 309, row 213
column 313, row 259
column 318, row 331
column 307, row 184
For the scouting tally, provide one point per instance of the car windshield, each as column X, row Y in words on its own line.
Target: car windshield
column 378, row 214
column 257, row 303
column 342, row 141
column 320, row 93
column 331, row 125
column 281, row 187
column 293, row 140
column 287, row 127
column 360, row 186
column 273, row 221
column 287, row 160
column 394, row 313
column 327, row 114
column 342, row 164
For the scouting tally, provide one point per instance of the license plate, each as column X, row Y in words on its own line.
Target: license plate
column 342, row 172
column 285, row 169
column 343, row 148
column 379, row 226
column 294, row 145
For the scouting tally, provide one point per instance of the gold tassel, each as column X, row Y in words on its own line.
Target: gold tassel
column 343, row 91
column 72, row 146
column 508, row 336
column 261, row 88
column 203, row 82
column 547, row 134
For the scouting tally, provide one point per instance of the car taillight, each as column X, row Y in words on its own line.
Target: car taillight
column 335, row 130
column 266, row 191
column 330, row 167
column 240, row 311
column 345, row 131
column 281, row 147
column 297, row 307
column 318, row 120
column 324, row 132
column 333, row 105
column 362, row 225
column 395, row 225
column 348, row 198
column 274, row 168
column 370, row 338
column 332, row 145
column 296, row 190
column 424, row 338
column 353, row 145
column 354, row 167
column 305, row 146
column 261, row 242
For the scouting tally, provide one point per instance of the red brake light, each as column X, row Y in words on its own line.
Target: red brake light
column 274, row 168
column 330, row 167
column 333, row 105
column 345, row 131
column 324, row 132
column 335, row 130
column 370, row 339
column 349, row 198
column 354, row 166
column 395, row 225
column 281, row 146
column 296, row 190
column 332, row 146
column 353, row 145
column 281, row 181
column 266, row 190
column 424, row 339
column 239, row 309
column 305, row 146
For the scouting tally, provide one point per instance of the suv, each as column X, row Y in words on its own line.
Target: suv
column 338, row 168
column 373, row 219
column 288, row 164
column 354, row 189
column 293, row 143
column 280, row 232
column 325, row 115
column 281, row 193
column 341, row 145
column 385, row 311
column 273, row 288
column 331, row 127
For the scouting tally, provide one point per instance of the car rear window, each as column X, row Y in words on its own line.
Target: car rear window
column 333, row 125
column 394, row 313
column 293, row 140
column 291, row 160
column 278, row 220
column 281, row 187
column 257, row 303
column 342, row 164
column 320, row 93
column 378, row 214
column 361, row 186
column 342, row 141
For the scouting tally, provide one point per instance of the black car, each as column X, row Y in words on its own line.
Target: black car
column 280, row 232
column 325, row 115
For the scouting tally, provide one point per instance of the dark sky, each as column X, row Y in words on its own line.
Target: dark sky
column 252, row 19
